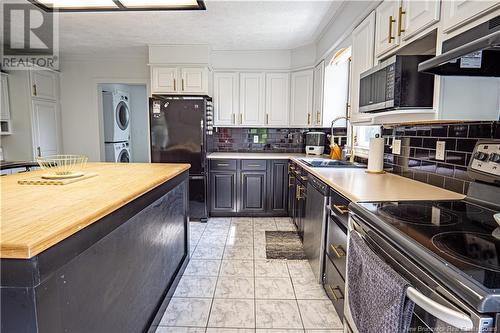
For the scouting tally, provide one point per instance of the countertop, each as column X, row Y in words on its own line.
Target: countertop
column 36, row 217
column 255, row 156
column 358, row 185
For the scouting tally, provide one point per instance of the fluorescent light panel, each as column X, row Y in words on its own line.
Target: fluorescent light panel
column 158, row 3
column 77, row 4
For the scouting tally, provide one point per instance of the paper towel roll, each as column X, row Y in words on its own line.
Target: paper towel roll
column 376, row 155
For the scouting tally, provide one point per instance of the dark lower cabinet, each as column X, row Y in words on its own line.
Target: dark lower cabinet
column 249, row 187
column 253, row 191
column 334, row 286
column 223, row 193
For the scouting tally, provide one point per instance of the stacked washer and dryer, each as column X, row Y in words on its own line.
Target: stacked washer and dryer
column 116, row 111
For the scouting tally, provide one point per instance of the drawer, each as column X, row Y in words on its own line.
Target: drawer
column 223, row 164
column 339, row 207
column 334, row 286
column 260, row 165
column 336, row 245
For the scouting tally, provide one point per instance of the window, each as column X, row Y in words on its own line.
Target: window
column 362, row 136
column 336, row 89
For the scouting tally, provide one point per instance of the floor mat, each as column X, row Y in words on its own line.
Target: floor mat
column 284, row 245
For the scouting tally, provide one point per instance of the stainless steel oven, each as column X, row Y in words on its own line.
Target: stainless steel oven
column 396, row 84
column 436, row 309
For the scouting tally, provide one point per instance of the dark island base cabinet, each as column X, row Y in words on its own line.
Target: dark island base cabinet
column 248, row 188
column 116, row 275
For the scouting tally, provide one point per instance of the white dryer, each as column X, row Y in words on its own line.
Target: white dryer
column 116, row 114
column 118, row 152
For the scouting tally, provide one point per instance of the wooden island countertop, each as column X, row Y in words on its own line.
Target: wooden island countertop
column 36, row 217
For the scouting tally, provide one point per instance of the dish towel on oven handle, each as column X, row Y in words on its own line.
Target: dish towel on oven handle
column 376, row 293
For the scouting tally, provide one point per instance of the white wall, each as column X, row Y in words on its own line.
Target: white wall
column 80, row 102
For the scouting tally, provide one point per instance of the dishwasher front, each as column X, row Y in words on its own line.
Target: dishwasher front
column 315, row 222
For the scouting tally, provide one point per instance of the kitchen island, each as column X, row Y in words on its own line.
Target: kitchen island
column 99, row 255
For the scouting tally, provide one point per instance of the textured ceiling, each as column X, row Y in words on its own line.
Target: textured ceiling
column 225, row 25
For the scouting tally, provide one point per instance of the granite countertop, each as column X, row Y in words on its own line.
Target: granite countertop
column 36, row 217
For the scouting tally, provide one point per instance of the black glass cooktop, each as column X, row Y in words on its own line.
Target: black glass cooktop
column 460, row 232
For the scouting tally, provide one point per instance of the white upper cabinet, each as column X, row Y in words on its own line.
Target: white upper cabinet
column 416, row 16
column 277, row 99
column 386, row 27
column 458, row 13
column 226, row 101
column 44, row 84
column 363, row 41
column 301, row 98
column 164, row 79
column 5, row 111
column 45, row 128
column 318, row 93
column 179, row 80
column 252, row 103
column 194, row 80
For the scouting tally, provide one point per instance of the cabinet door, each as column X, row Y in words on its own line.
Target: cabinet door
column 418, row 15
column 318, row 87
column 278, row 189
column 45, row 128
column 226, row 103
column 5, row 111
column 223, row 191
column 363, row 42
column 458, row 13
column 253, row 192
column 251, row 99
column 386, row 37
column 43, row 84
column 302, row 95
column 194, row 80
column 277, row 99
column 164, row 80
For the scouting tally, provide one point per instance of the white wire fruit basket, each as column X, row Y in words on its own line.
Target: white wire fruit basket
column 62, row 166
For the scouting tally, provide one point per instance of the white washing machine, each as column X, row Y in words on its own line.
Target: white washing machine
column 118, row 152
column 116, row 114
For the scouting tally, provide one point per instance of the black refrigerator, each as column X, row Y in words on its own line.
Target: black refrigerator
column 178, row 134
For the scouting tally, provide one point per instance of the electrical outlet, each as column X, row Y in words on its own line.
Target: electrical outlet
column 255, row 139
column 440, row 147
column 396, row 147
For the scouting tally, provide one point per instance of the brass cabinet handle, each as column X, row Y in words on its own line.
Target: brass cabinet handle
column 308, row 119
column 241, row 119
column 254, row 165
column 182, row 81
column 234, row 118
column 267, row 118
column 34, row 90
column 337, row 250
column 222, row 164
column 342, row 209
column 400, row 20
column 297, row 192
column 290, row 182
column 303, row 178
column 174, row 85
column 39, row 151
column 391, row 21
column 318, row 118
column 332, row 291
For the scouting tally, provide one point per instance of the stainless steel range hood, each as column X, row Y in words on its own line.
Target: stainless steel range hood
column 475, row 52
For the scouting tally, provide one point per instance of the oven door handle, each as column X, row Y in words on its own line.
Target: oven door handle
column 441, row 312
column 447, row 315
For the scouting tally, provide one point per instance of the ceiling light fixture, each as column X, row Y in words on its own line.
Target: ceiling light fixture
column 117, row 5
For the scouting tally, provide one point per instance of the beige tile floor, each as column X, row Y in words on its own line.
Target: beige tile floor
column 230, row 287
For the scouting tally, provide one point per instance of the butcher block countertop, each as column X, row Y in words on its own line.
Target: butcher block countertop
column 358, row 185
column 36, row 217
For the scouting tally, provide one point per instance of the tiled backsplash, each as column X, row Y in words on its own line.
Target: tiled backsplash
column 286, row 140
column 418, row 151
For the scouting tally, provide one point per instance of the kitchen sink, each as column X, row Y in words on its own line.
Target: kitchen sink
column 326, row 163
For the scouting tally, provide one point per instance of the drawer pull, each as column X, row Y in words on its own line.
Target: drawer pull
column 342, row 209
column 338, row 251
column 290, row 181
column 303, row 178
column 334, row 295
column 222, row 164
column 254, row 165
column 297, row 192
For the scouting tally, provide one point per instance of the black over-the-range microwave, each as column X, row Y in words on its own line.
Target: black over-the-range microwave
column 396, row 84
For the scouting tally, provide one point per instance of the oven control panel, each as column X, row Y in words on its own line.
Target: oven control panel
column 486, row 159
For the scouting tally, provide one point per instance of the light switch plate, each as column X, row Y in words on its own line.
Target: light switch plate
column 396, row 147
column 255, row 139
column 440, row 148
